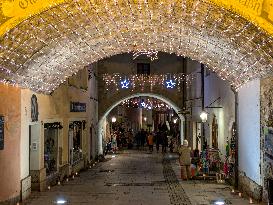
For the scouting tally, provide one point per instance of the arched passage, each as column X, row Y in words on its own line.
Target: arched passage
column 42, row 51
column 114, row 104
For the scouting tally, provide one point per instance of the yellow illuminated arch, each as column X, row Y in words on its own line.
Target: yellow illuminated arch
column 259, row 12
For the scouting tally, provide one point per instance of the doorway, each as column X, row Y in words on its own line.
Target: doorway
column 51, row 148
column 75, row 142
column 34, row 147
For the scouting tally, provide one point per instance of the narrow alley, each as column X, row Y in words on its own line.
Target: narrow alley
column 135, row 177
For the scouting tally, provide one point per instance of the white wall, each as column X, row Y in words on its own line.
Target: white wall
column 217, row 88
column 249, row 130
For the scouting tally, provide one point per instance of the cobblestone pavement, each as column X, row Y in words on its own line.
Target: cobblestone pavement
column 135, row 178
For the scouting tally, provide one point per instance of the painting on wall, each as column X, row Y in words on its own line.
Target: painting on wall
column 34, row 108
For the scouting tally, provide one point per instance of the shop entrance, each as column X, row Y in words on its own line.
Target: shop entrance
column 51, row 148
column 75, row 142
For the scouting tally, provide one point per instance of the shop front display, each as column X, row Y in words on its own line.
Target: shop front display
column 75, row 136
column 51, row 133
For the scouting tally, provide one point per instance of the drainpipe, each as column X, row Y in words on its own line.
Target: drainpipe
column 236, row 168
column 184, row 90
column 203, row 102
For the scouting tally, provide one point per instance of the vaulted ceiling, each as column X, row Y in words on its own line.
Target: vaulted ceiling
column 42, row 51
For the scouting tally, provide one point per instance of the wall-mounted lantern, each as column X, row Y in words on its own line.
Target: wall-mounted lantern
column 114, row 119
column 204, row 116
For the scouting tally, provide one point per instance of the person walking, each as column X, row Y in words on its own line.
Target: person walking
column 143, row 138
column 114, row 142
column 157, row 140
column 185, row 160
column 164, row 142
column 150, row 141
column 138, row 139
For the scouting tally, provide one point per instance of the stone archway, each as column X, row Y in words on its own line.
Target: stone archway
column 107, row 110
column 42, row 51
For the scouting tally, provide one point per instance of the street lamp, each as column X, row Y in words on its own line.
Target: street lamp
column 204, row 116
column 114, row 119
column 145, row 119
column 175, row 120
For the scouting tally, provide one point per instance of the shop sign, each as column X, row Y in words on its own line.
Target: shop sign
column 77, row 107
column 1, row 132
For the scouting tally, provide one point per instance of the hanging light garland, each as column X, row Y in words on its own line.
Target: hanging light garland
column 119, row 81
column 146, row 103
column 46, row 49
column 153, row 55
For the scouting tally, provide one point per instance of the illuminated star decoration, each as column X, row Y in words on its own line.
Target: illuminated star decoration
column 170, row 84
column 125, row 84
column 143, row 104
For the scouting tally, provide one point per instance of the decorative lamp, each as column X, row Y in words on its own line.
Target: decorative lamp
column 204, row 116
column 114, row 119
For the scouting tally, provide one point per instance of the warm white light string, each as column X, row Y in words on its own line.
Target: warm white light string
column 43, row 51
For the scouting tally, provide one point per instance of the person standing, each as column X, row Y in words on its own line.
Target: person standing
column 150, row 141
column 185, row 160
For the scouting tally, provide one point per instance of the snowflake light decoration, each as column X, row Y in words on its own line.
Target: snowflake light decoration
column 125, row 84
column 170, row 84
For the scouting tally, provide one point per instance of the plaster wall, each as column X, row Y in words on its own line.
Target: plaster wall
column 53, row 108
column 219, row 94
column 10, row 156
column 125, row 64
column 215, row 89
column 249, row 130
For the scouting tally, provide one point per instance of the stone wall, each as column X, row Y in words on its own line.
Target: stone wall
column 267, row 132
column 249, row 187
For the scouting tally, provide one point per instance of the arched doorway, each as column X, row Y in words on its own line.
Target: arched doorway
column 160, row 97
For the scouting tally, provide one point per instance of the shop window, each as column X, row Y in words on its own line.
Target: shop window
column 75, row 129
column 51, row 147
column 143, row 68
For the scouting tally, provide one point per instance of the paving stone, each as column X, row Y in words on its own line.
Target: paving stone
column 134, row 177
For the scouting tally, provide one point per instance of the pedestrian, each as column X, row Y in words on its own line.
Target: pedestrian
column 158, row 140
column 164, row 142
column 150, row 141
column 114, row 142
column 130, row 139
column 143, row 138
column 138, row 139
column 185, row 160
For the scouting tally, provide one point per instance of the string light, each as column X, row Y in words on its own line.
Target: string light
column 46, row 49
column 146, row 103
column 139, row 81
column 153, row 55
